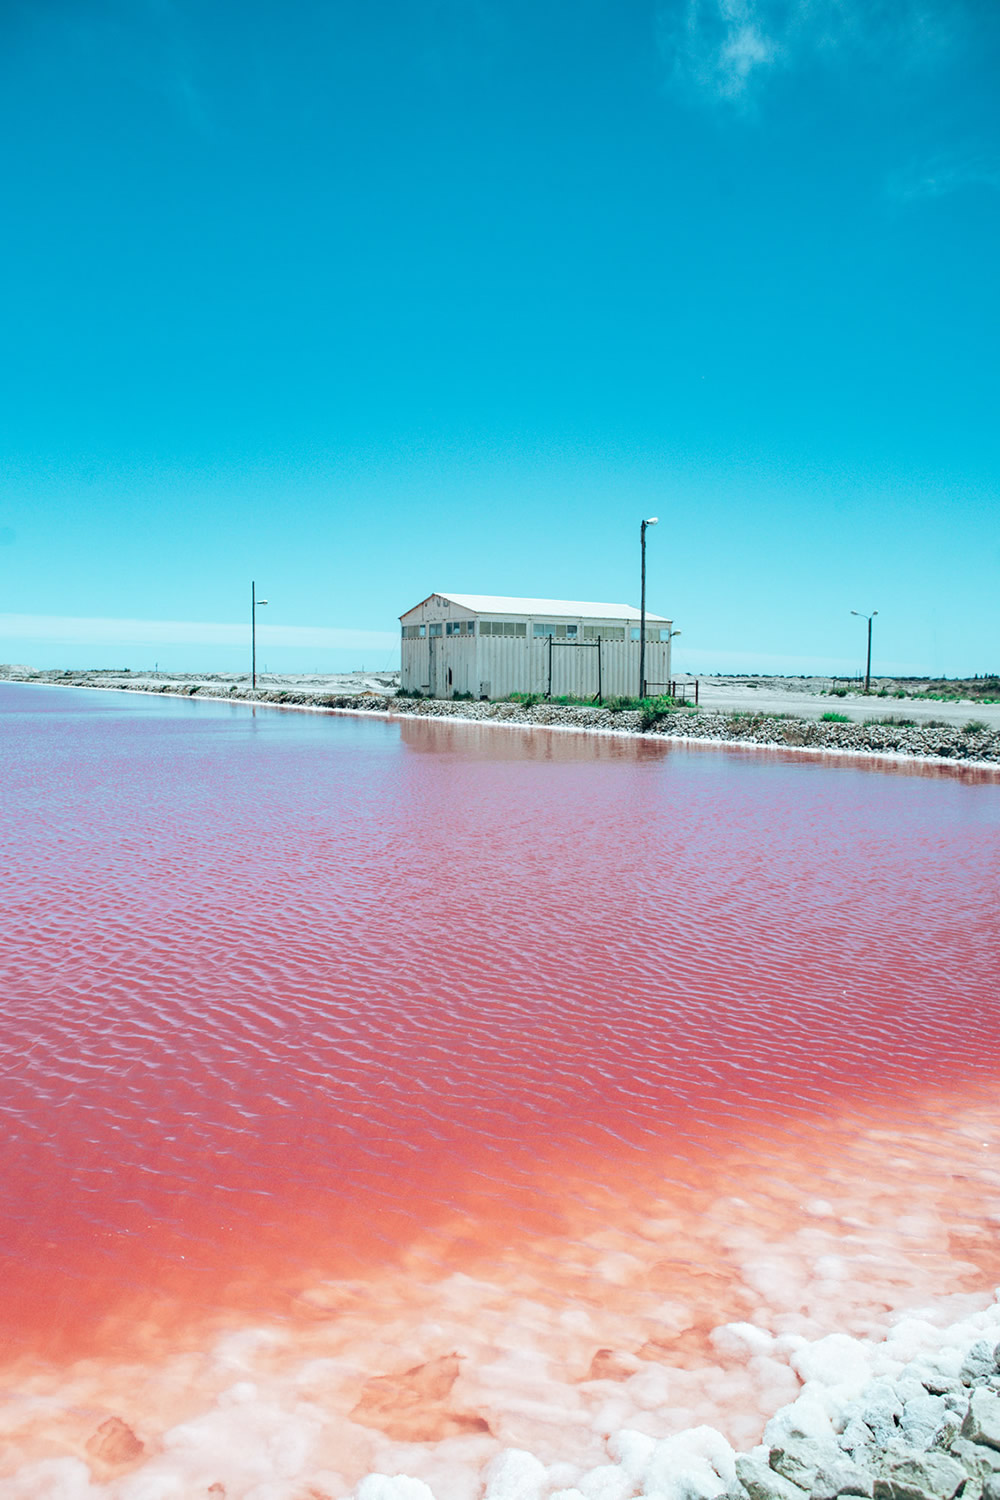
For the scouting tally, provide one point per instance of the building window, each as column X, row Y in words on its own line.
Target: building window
column 538, row 630
column 435, row 630
column 503, row 627
column 604, row 632
column 414, row 632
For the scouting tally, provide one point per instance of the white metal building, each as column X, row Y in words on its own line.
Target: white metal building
column 490, row 646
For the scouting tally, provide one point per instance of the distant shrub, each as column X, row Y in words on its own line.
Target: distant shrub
column 526, row 700
column 462, row 697
column 831, row 718
column 975, row 726
column 655, row 709
column 896, row 723
column 838, row 692
column 402, row 692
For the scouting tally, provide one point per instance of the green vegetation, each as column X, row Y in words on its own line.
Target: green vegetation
column 831, row 718
column 838, row 692
column 526, row 700
column 462, row 697
column 975, row 726
column 896, row 723
column 402, row 692
column 979, row 689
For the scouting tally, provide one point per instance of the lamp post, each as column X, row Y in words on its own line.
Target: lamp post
column 254, row 602
column 642, row 606
column 862, row 616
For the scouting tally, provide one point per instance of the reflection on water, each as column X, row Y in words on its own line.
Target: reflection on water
column 457, row 1083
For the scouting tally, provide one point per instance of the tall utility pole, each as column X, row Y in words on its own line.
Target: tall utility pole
column 254, row 601
column 868, row 669
column 642, row 606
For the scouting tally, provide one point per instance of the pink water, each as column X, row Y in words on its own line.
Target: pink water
column 385, row 1046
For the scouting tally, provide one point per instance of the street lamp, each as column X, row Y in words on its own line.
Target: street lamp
column 869, row 618
column 642, row 607
column 254, row 602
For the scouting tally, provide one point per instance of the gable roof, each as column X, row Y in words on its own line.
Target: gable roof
column 500, row 604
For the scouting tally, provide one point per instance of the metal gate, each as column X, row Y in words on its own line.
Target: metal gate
column 576, row 671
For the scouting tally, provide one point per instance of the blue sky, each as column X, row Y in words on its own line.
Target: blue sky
column 365, row 301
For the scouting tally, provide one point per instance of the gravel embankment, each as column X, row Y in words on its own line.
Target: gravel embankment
column 944, row 743
column 913, row 1417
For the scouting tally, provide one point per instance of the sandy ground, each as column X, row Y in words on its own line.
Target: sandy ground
column 804, row 696
column 334, row 682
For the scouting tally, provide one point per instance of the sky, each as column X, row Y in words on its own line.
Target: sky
column 367, row 301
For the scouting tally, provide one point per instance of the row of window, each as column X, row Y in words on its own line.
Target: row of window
column 504, row 627
column 519, row 629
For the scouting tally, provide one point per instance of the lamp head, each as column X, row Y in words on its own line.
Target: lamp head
column 261, row 601
column 652, row 521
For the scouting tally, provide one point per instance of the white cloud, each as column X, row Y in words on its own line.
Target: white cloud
column 95, row 631
column 728, row 48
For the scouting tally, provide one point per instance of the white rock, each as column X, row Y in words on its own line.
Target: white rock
column 838, row 1362
column 399, row 1487
column 607, row 1482
column 513, row 1475
column 633, row 1451
column 695, row 1465
column 921, row 1420
column 879, row 1409
column 807, row 1417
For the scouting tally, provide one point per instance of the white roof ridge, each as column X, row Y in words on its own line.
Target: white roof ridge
column 501, row 604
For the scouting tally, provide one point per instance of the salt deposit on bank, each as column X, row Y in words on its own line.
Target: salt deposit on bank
column 913, row 1417
column 916, row 1417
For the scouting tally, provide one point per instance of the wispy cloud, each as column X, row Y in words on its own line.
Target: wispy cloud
column 945, row 172
column 729, row 48
column 95, row 631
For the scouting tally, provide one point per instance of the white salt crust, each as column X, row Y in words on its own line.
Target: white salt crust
column 627, row 1356
column 263, row 1450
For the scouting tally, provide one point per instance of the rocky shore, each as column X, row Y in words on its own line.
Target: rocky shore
column 916, row 1417
column 950, row 743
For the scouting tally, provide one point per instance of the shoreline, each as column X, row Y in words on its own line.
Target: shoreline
column 895, row 744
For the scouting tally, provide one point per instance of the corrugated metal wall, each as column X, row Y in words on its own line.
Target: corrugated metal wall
column 497, row 666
